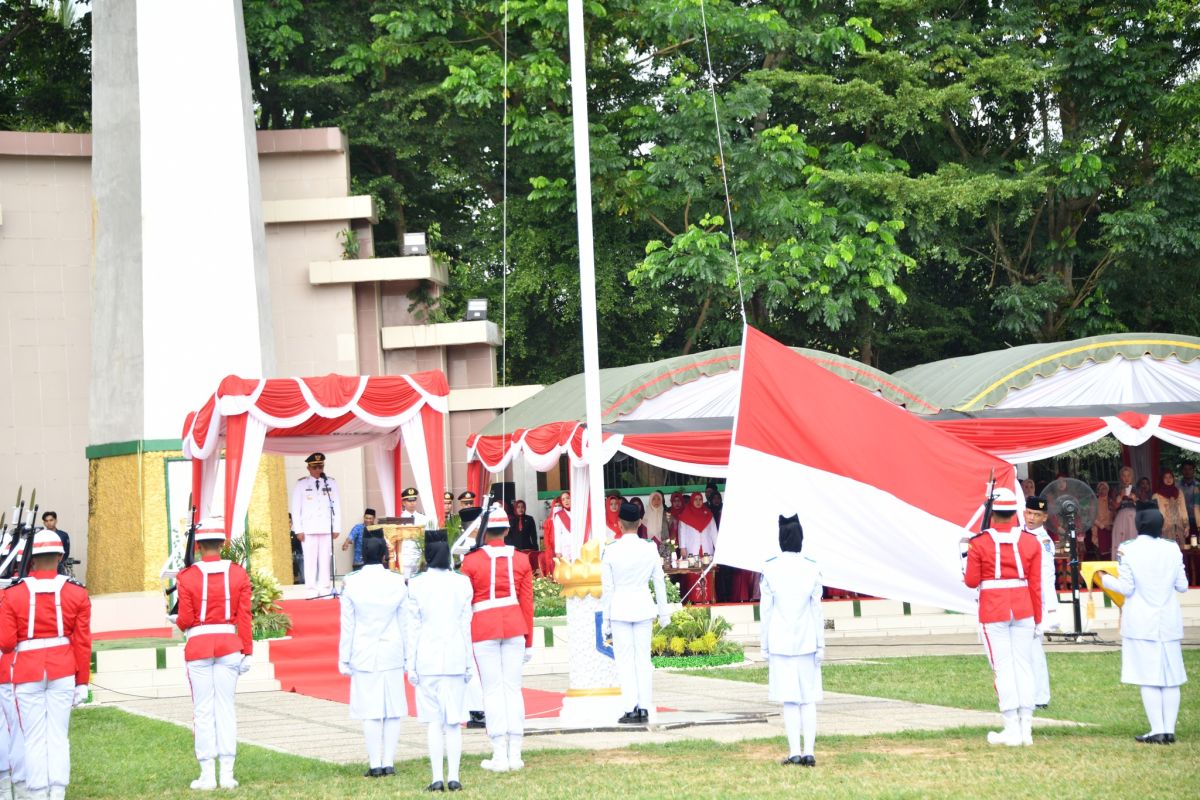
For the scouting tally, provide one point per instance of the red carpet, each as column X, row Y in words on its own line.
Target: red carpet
column 307, row 663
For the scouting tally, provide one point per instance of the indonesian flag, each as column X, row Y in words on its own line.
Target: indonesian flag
column 883, row 496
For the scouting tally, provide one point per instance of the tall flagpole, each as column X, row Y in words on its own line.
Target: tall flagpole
column 587, row 264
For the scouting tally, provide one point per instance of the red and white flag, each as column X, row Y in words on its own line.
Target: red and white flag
column 883, row 496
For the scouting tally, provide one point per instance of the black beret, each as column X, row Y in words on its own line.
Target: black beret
column 1035, row 503
column 629, row 512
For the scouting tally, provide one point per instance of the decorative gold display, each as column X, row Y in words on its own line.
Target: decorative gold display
column 581, row 577
column 394, row 535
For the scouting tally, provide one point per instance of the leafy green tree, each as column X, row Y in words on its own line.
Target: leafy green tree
column 45, row 66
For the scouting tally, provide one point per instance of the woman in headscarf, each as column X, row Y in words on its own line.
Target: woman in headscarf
column 677, row 504
column 1173, row 507
column 1150, row 575
column 655, row 520
column 1123, row 504
column 793, row 639
column 641, row 531
column 697, row 530
column 522, row 534
column 612, row 507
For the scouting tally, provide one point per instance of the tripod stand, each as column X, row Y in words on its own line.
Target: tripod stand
column 1070, row 512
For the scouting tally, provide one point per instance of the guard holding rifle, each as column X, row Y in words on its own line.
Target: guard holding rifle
column 46, row 621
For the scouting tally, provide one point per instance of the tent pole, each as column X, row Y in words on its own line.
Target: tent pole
column 587, row 263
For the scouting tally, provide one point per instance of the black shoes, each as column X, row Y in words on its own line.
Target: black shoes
column 630, row 718
column 643, row 714
column 436, row 786
column 454, row 786
column 373, row 772
column 1043, row 705
column 389, row 770
column 477, row 720
column 1170, row 738
column 1155, row 738
column 799, row 761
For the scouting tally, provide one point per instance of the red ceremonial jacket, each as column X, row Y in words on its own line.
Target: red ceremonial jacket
column 1010, row 602
column 505, row 621
column 71, row 659
column 191, row 591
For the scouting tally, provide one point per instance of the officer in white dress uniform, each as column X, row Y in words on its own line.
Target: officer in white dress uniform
column 410, row 553
column 1035, row 518
column 371, row 652
column 317, row 519
column 793, row 638
column 1150, row 574
column 440, row 661
column 628, row 566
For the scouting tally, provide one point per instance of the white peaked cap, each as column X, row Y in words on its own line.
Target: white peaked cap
column 1004, row 499
column 211, row 529
column 47, row 542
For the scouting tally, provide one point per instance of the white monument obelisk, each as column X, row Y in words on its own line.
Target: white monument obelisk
column 180, row 279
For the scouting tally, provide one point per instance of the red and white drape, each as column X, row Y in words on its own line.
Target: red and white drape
column 295, row 416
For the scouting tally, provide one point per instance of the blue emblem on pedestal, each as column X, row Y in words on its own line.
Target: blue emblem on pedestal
column 603, row 646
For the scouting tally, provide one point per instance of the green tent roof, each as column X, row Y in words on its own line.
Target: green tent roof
column 970, row 383
column 622, row 389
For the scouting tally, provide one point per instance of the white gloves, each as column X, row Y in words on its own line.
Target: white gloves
column 172, row 617
column 468, row 676
column 528, row 655
column 344, row 668
column 245, row 665
column 1037, row 631
column 664, row 620
column 81, row 694
column 413, row 677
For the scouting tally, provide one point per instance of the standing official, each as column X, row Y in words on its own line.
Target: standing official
column 409, row 556
column 371, row 652
column 317, row 517
column 793, row 638
column 46, row 620
column 627, row 567
column 440, row 662
column 1005, row 564
column 1035, row 519
column 50, row 522
column 1150, row 575
column 215, row 616
column 502, row 630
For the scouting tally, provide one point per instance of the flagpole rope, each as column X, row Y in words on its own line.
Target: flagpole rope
column 712, row 89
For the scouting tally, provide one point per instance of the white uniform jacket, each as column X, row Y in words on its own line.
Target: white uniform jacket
column 373, row 620
column 439, row 624
column 1049, row 596
column 626, row 569
column 1150, row 573
column 310, row 506
column 415, row 518
column 790, row 610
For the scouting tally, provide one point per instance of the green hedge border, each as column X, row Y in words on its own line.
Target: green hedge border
column 714, row 660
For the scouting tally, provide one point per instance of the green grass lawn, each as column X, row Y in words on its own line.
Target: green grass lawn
column 117, row 755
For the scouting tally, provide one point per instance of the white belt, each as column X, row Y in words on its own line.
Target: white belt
column 26, row 645
column 205, row 630
column 1004, row 583
column 499, row 602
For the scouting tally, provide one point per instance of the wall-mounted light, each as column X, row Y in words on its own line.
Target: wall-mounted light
column 415, row 245
column 477, row 308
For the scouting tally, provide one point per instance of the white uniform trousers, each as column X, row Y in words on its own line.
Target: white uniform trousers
column 213, row 718
column 500, row 662
column 15, row 754
column 1010, row 650
column 318, row 548
column 1041, row 674
column 631, row 648
column 6, row 733
column 45, row 709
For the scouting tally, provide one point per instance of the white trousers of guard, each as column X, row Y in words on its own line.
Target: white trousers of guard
column 631, row 649
column 1041, row 673
column 1010, row 650
column 15, row 754
column 45, row 709
column 500, row 662
column 318, row 550
column 214, row 720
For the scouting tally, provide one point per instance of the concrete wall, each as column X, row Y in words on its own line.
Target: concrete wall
column 45, row 318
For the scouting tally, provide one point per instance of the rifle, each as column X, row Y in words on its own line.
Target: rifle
column 986, row 521
column 25, row 555
column 189, row 554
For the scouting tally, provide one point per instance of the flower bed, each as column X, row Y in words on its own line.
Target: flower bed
column 714, row 660
column 694, row 633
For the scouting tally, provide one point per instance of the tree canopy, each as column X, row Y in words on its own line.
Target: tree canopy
column 908, row 179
